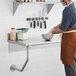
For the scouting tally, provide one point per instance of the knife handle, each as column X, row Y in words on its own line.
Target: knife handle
column 45, row 24
column 40, row 24
column 31, row 24
column 34, row 24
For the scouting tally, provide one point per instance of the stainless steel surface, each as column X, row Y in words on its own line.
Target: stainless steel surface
column 30, row 42
column 17, row 4
column 35, row 41
column 14, row 68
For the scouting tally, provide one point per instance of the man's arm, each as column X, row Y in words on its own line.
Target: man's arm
column 63, row 26
column 57, row 30
column 57, row 26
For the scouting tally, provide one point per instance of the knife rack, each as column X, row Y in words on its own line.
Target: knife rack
column 37, row 22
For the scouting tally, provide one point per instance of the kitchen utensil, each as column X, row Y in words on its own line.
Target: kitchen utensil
column 22, row 33
column 44, row 24
column 34, row 24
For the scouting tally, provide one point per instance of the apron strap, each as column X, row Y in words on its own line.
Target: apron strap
column 69, row 31
column 74, row 26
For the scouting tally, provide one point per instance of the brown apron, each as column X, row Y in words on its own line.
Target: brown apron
column 68, row 47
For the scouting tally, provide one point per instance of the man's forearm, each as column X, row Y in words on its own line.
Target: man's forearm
column 57, row 26
column 54, row 28
column 57, row 30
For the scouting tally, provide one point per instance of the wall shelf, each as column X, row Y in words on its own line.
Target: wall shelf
column 17, row 4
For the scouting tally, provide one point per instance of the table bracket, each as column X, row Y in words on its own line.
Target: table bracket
column 13, row 67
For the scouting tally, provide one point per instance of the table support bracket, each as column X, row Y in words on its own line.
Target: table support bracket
column 14, row 68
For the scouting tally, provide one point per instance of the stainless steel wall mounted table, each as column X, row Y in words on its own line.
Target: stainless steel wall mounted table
column 27, row 44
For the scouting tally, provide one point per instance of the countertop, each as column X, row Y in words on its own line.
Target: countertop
column 36, row 41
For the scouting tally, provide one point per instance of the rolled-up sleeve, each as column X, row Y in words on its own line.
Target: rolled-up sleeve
column 66, row 19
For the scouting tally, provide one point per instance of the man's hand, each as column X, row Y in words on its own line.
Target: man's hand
column 48, row 36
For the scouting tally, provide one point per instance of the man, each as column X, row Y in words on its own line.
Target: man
column 68, row 45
